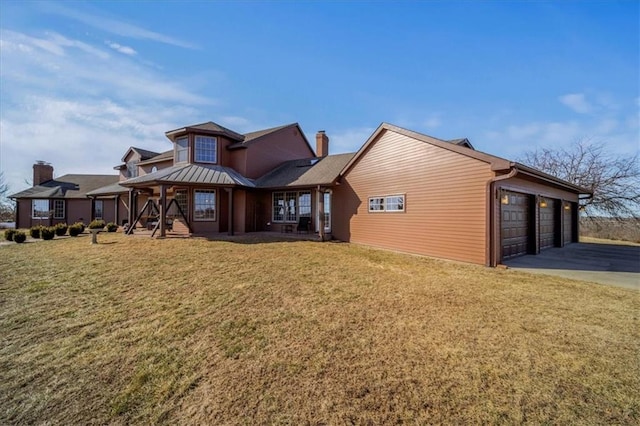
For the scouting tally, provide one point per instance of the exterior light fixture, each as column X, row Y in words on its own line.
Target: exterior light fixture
column 505, row 199
column 567, row 206
column 543, row 203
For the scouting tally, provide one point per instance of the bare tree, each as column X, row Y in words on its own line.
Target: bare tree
column 613, row 179
column 7, row 206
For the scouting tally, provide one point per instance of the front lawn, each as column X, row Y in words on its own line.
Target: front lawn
column 136, row 330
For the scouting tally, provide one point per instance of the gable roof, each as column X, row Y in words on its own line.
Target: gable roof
column 67, row 186
column 145, row 154
column 163, row 156
column 252, row 137
column 461, row 142
column 496, row 163
column 193, row 174
column 305, row 172
column 112, row 189
column 208, row 128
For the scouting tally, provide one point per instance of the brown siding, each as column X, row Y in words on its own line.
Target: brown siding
column 239, row 210
column 275, row 148
column 445, row 200
column 78, row 211
column 529, row 186
column 145, row 170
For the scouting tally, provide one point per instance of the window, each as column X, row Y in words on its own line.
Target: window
column 181, row 198
column 290, row 206
column 98, row 207
column 58, row 209
column 40, row 209
column 204, row 205
column 182, row 149
column 132, row 169
column 389, row 203
column 154, row 169
column 206, row 149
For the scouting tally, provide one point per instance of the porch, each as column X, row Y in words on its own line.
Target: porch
column 245, row 237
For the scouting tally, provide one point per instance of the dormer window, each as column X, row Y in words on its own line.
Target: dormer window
column 206, row 149
column 132, row 169
column 182, row 149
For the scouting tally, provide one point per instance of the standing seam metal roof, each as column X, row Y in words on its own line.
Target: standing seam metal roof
column 193, row 174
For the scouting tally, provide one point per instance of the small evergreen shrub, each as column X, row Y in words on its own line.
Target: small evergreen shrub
column 97, row 224
column 61, row 229
column 75, row 229
column 112, row 227
column 8, row 234
column 81, row 226
column 19, row 237
column 35, row 231
column 48, row 232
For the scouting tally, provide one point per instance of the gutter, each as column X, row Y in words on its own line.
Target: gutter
column 491, row 236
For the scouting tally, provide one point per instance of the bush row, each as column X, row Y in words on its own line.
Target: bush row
column 48, row 232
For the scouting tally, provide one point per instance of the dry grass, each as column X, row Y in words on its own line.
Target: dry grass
column 136, row 330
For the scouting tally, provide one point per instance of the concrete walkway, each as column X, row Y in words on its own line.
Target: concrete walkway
column 609, row 264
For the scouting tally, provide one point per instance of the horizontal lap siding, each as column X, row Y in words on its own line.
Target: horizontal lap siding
column 522, row 184
column 445, row 200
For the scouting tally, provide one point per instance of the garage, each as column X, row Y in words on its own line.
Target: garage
column 547, row 223
column 515, row 224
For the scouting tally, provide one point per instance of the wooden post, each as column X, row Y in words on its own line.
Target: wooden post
column 130, row 209
column 230, row 219
column 163, row 211
column 116, row 200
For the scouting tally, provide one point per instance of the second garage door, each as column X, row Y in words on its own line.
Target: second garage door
column 547, row 223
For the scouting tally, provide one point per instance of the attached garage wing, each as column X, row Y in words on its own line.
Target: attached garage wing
column 516, row 224
column 548, row 225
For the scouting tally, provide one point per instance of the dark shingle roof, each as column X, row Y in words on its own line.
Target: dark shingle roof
column 254, row 136
column 113, row 189
column 207, row 127
column 167, row 155
column 192, row 174
column 461, row 142
column 307, row 172
column 67, row 186
column 145, row 154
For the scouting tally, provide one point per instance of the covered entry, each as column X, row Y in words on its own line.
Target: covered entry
column 515, row 209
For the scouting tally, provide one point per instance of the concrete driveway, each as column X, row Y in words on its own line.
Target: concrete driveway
column 610, row 264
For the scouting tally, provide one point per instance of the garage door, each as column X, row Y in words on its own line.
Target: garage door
column 515, row 224
column 547, row 223
column 567, row 213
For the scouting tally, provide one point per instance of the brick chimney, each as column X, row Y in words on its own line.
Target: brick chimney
column 322, row 144
column 42, row 172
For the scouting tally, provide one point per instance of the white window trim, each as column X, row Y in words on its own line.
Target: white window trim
column 298, row 205
column 33, row 209
column 63, row 209
column 175, row 154
column 195, row 149
column 386, row 199
column 96, row 217
column 215, row 205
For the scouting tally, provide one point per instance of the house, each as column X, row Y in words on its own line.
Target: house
column 402, row 190
column 61, row 200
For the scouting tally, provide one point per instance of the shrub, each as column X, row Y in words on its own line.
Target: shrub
column 19, row 237
column 48, row 232
column 80, row 226
column 75, row 229
column 97, row 224
column 61, row 229
column 35, row 231
column 112, row 227
column 8, row 234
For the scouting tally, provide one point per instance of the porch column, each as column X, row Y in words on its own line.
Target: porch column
column 320, row 193
column 116, row 200
column 163, row 210
column 230, row 219
column 130, row 209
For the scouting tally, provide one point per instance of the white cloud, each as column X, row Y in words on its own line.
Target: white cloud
column 122, row 49
column 577, row 102
column 432, row 122
column 115, row 26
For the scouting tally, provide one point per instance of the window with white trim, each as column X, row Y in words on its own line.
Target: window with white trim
column 182, row 149
column 98, row 209
column 40, row 209
column 290, row 206
column 204, row 204
column 58, row 209
column 206, row 149
column 388, row 203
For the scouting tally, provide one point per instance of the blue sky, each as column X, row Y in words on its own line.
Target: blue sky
column 80, row 82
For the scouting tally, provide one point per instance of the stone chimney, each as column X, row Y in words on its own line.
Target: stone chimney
column 42, row 172
column 322, row 144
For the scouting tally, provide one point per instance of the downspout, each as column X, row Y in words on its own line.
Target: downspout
column 492, row 234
